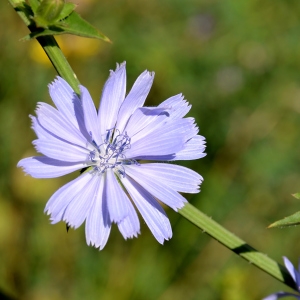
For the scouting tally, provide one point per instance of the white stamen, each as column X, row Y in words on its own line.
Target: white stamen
column 109, row 155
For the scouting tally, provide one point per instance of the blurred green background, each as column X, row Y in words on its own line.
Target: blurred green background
column 238, row 64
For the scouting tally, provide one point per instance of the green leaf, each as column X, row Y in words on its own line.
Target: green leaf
column 43, row 32
column 296, row 195
column 66, row 11
column 292, row 220
column 73, row 24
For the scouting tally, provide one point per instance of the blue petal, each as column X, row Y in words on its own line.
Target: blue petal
column 156, row 187
column 60, row 150
column 57, row 204
column 193, row 149
column 293, row 271
column 175, row 128
column 151, row 211
column 130, row 226
column 144, row 116
column 39, row 130
column 65, row 99
column 117, row 200
column 52, row 120
column 177, row 105
column 46, row 136
column 77, row 210
column 135, row 98
column 175, row 177
column 173, row 108
column 45, row 167
column 98, row 223
column 112, row 97
column 90, row 116
column 68, row 103
column 167, row 139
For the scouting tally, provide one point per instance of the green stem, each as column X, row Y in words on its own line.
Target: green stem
column 59, row 61
column 236, row 244
column 51, row 48
column 192, row 214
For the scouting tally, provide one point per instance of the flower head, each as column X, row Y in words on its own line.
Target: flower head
column 295, row 274
column 108, row 146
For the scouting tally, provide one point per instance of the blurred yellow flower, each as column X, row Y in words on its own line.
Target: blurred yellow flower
column 70, row 45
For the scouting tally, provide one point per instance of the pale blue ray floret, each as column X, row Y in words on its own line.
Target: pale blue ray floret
column 295, row 274
column 108, row 146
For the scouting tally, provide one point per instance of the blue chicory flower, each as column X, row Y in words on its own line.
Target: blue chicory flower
column 295, row 274
column 108, row 146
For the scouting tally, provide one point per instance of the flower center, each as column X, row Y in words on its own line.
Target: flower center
column 110, row 154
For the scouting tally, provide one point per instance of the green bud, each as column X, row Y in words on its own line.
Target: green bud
column 49, row 10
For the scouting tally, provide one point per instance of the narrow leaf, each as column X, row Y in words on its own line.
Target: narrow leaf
column 74, row 24
column 292, row 220
column 43, row 32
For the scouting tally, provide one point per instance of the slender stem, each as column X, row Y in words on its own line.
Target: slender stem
column 51, row 48
column 192, row 214
column 236, row 244
column 59, row 61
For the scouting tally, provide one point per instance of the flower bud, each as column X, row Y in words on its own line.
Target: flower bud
column 49, row 10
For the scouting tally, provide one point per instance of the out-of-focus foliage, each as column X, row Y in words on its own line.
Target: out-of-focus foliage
column 238, row 64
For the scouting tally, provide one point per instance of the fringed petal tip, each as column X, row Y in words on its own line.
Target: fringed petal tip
column 129, row 229
column 96, row 245
column 24, row 170
column 47, row 211
column 57, row 80
column 53, row 82
column 121, row 65
column 23, row 164
column 132, row 235
column 162, row 240
column 180, row 205
column 118, row 67
column 54, row 221
column 147, row 73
